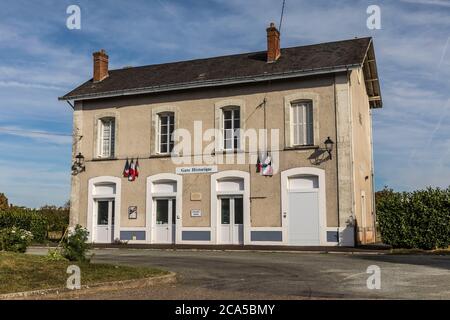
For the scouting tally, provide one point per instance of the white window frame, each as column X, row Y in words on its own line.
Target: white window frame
column 233, row 109
column 302, row 134
column 101, row 138
column 169, row 135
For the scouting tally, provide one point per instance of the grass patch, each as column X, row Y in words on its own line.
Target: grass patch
column 24, row 272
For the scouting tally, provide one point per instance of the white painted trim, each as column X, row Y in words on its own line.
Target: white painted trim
column 149, row 217
column 91, row 198
column 215, row 221
column 285, row 175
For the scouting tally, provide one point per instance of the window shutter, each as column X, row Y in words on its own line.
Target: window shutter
column 302, row 123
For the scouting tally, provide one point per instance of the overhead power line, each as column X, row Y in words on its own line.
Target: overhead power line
column 282, row 14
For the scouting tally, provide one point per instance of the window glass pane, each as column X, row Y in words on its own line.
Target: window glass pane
column 228, row 143
column 163, row 129
column 174, row 211
column 236, row 124
column 225, row 211
column 162, row 211
column 171, row 146
column 238, row 211
column 228, row 124
column 227, row 114
column 236, row 113
column 102, row 212
column 236, row 143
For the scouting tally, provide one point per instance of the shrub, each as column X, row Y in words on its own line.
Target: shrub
column 75, row 246
column 55, row 255
column 15, row 239
column 419, row 219
column 39, row 221
column 57, row 218
column 26, row 219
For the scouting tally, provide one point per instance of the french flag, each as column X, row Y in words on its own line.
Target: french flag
column 126, row 170
column 131, row 174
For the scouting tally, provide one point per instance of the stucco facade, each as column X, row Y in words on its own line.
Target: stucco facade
column 340, row 111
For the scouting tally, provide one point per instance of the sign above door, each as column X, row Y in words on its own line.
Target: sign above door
column 194, row 170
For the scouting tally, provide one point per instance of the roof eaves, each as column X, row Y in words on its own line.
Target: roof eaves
column 211, row 83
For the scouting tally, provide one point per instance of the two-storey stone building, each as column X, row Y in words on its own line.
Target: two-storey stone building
column 269, row 148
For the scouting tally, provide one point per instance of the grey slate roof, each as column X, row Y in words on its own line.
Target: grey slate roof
column 245, row 67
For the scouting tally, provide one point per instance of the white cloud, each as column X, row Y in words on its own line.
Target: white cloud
column 37, row 135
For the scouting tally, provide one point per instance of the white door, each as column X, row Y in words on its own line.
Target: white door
column 232, row 220
column 303, row 218
column 165, row 220
column 104, row 232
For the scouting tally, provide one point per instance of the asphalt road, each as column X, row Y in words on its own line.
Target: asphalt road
column 282, row 275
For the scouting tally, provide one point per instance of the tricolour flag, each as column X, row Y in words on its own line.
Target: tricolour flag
column 131, row 175
column 126, row 170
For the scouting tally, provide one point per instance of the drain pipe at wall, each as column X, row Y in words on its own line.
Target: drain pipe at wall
column 337, row 161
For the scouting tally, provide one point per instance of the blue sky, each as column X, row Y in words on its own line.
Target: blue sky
column 40, row 59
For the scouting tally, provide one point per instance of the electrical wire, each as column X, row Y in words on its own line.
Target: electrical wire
column 282, row 14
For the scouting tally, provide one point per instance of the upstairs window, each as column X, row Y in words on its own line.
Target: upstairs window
column 166, row 128
column 302, row 125
column 106, row 136
column 231, row 128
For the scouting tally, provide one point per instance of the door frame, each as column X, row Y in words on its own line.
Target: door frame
column 215, row 220
column 169, row 217
column 93, row 182
column 232, row 198
column 150, row 218
column 95, row 217
column 303, row 171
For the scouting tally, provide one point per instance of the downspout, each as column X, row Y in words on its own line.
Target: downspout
column 337, row 160
column 374, row 207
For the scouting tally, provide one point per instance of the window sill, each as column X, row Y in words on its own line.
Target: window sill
column 105, row 159
column 161, row 155
column 227, row 152
column 312, row 147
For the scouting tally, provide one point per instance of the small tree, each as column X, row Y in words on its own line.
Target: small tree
column 3, row 202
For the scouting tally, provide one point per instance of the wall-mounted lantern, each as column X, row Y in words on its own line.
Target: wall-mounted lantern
column 78, row 165
column 329, row 146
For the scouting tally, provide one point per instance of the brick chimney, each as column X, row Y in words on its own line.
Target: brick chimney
column 273, row 43
column 100, row 65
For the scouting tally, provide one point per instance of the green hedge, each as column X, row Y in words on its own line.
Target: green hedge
column 38, row 221
column 25, row 219
column 419, row 219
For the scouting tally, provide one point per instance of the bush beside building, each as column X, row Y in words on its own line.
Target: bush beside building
column 419, row 219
